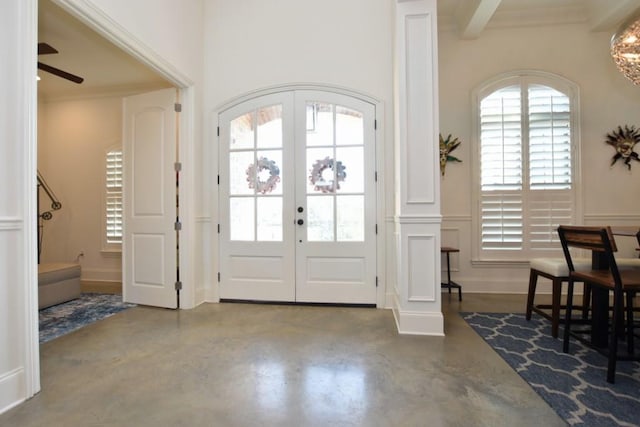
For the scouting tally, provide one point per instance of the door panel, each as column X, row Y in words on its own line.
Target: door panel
column 335, row 252
column 297, row 199
column 149, row 243
column 256, row 237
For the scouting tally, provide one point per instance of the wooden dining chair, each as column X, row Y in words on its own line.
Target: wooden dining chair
column 607, row 276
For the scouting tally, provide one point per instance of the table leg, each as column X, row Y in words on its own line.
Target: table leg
column 599, row 316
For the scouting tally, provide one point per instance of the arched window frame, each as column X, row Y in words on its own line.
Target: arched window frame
column 529, row 248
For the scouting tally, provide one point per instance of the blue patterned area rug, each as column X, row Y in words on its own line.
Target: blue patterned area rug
column 573, row 384
column 70, row 316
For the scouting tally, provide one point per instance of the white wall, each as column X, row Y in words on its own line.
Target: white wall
column 255, row 44
column 606, row 101
column 74, row 137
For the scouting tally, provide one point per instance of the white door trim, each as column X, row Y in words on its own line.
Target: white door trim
column 23, row 389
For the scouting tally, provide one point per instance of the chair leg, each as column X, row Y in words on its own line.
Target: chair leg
column 613, row 339
column 567, row 319
column 629, row 328
column 586, row 300
column 555, row 306
column 533, row 281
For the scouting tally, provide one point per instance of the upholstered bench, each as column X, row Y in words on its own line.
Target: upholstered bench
column 57, row 283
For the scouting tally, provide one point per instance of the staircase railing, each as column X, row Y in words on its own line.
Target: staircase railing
column 48, row 214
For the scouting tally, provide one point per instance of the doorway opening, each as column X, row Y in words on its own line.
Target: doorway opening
column 80, row 127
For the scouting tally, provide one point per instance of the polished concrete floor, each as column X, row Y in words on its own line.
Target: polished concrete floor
column 270, row 365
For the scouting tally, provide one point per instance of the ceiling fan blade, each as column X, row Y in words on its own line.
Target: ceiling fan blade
column 60, row 73
column 45, row 49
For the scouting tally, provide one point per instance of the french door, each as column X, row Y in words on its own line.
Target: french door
column 297, row 199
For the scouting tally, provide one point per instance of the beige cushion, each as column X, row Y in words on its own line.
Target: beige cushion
column 57, row 271
column 626, row 263
column 58, row 283
column 558, row 266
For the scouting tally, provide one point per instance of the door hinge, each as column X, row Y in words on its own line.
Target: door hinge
column 218, row 228
column 375, row 176
column 177, row 166
column 177, row 107
column 218, row 276
column 218, row 179
column 177, row 226
column 178, row 285
column 375, row 124
column 376, row 228
column 376, row 281
column 218, row 130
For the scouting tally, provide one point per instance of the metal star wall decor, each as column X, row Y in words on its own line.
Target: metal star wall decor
column 624, row 140
column 447, row 145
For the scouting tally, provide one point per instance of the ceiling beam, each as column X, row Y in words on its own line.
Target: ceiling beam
column 607, row 15
column 473, row 16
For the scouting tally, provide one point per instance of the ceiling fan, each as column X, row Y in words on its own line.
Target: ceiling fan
column 45, row 49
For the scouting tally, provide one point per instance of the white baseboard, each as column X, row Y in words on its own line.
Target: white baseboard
column 12, row 389
column 101, row 275
column 101, row 286
column 418, row 323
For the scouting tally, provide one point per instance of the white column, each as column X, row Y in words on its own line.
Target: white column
column 417, row 299
column 19, row 349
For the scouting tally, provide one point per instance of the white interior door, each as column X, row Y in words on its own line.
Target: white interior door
column 297, row 199
column 149, row 243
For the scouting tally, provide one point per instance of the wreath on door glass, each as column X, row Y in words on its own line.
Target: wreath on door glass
column 254, row 172
column 318, row 180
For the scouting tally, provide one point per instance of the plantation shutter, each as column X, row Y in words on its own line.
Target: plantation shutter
column 549, row 165
column 549, row 139
column 525, row 195
column 501, row 202
column 114, row 197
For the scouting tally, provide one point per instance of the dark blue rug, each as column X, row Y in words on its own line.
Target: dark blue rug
column 69, row 316
column 573, row 384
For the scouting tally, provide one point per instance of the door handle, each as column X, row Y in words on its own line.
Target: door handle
column 300, row 221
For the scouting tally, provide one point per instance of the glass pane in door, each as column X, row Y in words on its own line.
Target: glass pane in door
column 350, row 218
column 255, row 173
column 269, row 214
column 269, row 127
column 349, row 126
column 241, row 132
column 320, row 124
column 320, row 219
column 335, row 164
column 242, row 218
column 352, row 162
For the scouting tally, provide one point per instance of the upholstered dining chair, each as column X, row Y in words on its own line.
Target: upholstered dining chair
column 621, row 282
column 555, row 270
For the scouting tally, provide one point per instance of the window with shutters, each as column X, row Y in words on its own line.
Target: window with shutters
column 113, row 200
column 526, row 162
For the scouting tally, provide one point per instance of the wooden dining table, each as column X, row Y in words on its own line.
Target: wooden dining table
column 600, row 295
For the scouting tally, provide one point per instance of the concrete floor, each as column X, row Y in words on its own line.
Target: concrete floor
column 269, row 365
